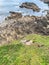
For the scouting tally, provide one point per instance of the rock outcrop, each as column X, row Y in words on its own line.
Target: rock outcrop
column 47, row 15
column 29, row 5
column 18, row 27
column 14, row 15
column 46, row 1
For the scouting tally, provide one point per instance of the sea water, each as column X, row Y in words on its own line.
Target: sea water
column 13, row 5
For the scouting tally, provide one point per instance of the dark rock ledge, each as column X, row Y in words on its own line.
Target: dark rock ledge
column 29, row 5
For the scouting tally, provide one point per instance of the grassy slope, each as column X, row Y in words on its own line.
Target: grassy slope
column 19, row 54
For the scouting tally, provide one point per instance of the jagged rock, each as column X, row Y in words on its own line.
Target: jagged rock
column 47, row 15
column 41, row 26
column 29, row 5
column 14, row 15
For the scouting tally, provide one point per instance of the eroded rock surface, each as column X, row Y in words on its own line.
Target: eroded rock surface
column 29, row 5
column 18, row 27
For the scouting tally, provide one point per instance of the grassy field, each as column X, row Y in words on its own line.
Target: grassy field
column 18, row 54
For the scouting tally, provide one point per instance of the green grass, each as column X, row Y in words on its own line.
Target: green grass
column 18, row 54
column 38, row 38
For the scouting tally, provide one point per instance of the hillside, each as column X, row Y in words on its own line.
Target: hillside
column 24, row 39
column 18, row 53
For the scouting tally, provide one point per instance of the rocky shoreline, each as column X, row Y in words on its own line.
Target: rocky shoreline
column 17, row 26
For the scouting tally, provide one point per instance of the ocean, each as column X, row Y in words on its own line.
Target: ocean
column 13, row 5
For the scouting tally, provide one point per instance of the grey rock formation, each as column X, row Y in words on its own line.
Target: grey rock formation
column 29, row 5
column 14, row 28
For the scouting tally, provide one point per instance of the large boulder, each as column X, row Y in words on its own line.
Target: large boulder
column 29, row 5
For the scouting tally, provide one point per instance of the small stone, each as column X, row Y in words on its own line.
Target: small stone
column 48, row 21
column 26, row 42
column 47, row 26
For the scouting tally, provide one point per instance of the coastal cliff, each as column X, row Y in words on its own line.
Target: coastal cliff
column 17, row 26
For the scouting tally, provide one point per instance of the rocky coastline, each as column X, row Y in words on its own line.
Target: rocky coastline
column 17, row 26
